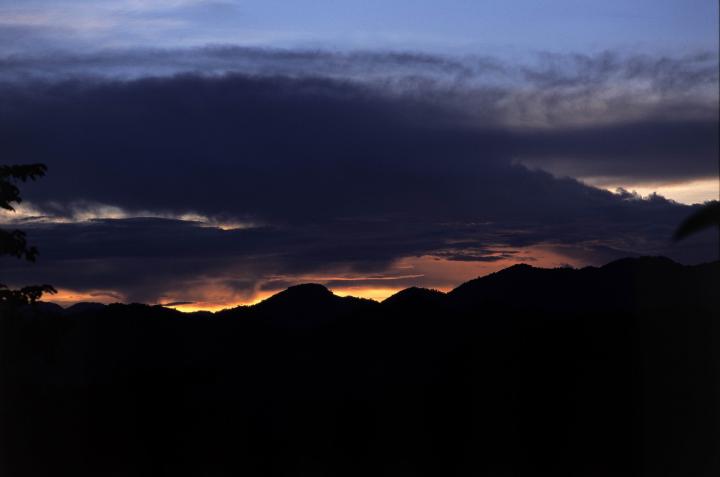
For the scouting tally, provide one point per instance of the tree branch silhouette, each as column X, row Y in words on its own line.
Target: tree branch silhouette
column 707, row 216
column 14, row 242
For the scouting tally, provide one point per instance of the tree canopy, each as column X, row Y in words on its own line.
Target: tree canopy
column 14, row 242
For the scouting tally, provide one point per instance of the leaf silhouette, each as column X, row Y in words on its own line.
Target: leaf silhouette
column 705, row 217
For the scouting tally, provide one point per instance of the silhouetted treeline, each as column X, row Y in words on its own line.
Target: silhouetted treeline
column 594, row 372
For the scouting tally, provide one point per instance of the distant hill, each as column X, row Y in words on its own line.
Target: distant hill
column 644, row 281
column 610, row 370
column 84, row 307
column 652, row 282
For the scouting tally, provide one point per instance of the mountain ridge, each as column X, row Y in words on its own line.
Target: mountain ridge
column 306, row 295
column 527, row 371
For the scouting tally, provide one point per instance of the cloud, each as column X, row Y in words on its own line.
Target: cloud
column 261, row 139
column 159, row 260
column 337, row 178
column 133, row 63
column 81, row 26
column 54, row 212
column 549, row 72
column 653, row 150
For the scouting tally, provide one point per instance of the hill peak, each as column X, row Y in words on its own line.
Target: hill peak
column 414, row 294
column 297, row 295
column 307, row 288
column 517, row 268
column 647, row 262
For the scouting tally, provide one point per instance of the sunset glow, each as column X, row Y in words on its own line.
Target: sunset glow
column 424, row 271
column 204, row 154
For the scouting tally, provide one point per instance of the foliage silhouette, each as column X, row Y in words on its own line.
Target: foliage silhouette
column 707, row 216
column 14, row 242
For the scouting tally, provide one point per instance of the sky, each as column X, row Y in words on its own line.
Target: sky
column 451, row 26
column 216, row 152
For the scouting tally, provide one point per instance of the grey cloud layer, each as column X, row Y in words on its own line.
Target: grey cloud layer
column 146, row 259
column 668, row 74
column 339, row 174
column 191, row 129
column 543, row 91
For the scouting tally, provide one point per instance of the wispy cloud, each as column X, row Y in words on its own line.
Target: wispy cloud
column 82, row 26
column 79, row 212
column 548, row 90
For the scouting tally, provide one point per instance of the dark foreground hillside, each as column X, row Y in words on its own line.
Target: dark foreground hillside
column 594, row 372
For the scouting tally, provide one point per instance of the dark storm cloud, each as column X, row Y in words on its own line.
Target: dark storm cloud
column 334, row 174
column 640, row 117
column 279, row 148
column 145, row 259
column 542, row 90
column 268, row 147
column 643, row 150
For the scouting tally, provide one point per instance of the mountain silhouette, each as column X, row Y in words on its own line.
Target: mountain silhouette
column 84, row 307
column 653, row 282
column 606, row 370
column 308, row 294
column 415, row 297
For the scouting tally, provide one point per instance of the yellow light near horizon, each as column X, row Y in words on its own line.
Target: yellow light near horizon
column 377, row 294
column 693, row 192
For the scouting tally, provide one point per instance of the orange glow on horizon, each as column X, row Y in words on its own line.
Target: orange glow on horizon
column 65, row 297
column 424, row 271
column 377, row 294
column 215, row 307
